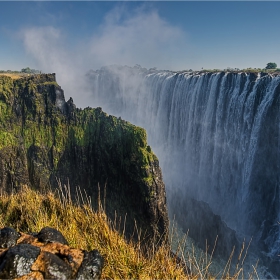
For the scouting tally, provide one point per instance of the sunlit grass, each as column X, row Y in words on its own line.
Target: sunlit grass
column 30, row 211
column 14, row 76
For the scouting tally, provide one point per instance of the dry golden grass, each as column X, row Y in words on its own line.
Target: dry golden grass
column 29, row 211
column 84, row 228
column 14, row 76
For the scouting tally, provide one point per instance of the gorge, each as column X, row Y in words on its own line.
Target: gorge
column 217, row 137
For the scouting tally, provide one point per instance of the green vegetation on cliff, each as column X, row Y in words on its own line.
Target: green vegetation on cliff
column 34, row 112
column 45, row 140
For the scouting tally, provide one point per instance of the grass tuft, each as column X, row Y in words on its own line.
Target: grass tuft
column 30, row 211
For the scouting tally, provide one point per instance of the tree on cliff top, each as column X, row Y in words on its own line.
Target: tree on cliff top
column 271, row 65
column 30, row 71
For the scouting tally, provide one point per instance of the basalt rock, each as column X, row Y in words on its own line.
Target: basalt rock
column 8, row 237
column 33, row 257
column 91, row 266
column 45, row 140
column 48, row 234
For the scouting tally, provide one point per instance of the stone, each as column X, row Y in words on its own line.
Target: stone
column 48, row 234
column 91, row 266
column 46, row 256
column 8, row 237
column 54, row 267
column 17, row 260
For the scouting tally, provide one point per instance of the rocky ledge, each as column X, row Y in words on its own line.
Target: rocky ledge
column 45, row 255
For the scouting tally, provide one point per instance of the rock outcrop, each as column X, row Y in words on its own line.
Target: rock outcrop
column 45, row 140
column 45, row 255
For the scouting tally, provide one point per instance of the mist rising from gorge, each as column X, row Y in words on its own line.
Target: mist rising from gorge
column 126, row 38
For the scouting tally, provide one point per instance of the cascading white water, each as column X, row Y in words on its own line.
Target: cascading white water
column 217, row 136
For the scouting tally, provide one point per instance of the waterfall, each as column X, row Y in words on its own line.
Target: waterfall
column 217, row 136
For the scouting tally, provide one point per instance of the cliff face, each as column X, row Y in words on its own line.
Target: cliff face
column 44, row 140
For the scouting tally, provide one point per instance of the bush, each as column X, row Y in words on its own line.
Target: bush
column 271, row 65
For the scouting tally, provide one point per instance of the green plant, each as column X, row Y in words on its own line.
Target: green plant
column 271, row 65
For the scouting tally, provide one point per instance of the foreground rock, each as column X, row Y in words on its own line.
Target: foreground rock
column 45, row 255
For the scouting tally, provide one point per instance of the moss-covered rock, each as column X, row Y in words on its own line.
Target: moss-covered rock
column 45, row 140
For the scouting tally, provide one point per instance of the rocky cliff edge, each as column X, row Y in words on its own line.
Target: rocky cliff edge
column 45, row 141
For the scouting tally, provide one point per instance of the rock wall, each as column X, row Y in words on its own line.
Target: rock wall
column 45, row 140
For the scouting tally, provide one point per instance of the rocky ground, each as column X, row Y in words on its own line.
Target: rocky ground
column 45, row 255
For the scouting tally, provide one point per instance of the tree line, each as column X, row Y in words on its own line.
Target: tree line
column 26, row 70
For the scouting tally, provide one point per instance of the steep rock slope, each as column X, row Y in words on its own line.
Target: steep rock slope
column 45, row 140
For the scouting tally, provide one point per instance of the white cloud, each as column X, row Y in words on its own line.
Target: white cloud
column 48, row 47
column 44, row 44
column 144, row 38
column 125, row 38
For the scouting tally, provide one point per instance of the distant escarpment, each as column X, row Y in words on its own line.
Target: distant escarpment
column 45, row 140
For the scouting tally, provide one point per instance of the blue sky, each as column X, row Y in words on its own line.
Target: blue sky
column 166, row 35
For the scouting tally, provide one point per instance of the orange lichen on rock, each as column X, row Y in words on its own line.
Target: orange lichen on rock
column 42, row 256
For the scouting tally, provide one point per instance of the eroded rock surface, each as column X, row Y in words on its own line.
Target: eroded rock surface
column 45, row 255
